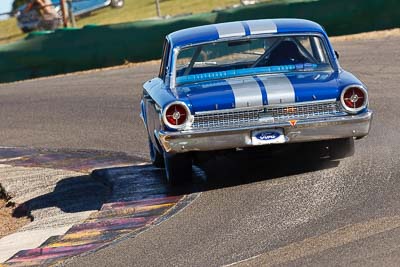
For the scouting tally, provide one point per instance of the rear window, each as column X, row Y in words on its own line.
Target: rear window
column 252, row 57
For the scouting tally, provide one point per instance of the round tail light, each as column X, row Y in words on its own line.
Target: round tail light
column 176, row 115
column 354, row 98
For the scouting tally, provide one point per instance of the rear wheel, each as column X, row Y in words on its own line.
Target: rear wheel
column 156, row 157
column 117, row 3
column 178, row 168
column 341, row 148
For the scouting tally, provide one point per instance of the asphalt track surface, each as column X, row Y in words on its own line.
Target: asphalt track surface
column 287, row 210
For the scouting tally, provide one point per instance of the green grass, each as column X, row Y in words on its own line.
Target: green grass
column 9, row 31
column 133, row 10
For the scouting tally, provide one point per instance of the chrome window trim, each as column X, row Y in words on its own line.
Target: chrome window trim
column 177, row 49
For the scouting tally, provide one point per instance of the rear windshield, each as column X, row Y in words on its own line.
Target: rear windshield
column 251, row 57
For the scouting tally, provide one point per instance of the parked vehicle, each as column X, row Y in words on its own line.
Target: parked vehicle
column 247, row 84
column 30, row 21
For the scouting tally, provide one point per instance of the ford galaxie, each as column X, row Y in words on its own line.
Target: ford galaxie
column 251, row 83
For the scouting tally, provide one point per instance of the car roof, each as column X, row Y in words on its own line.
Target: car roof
column 237, row 29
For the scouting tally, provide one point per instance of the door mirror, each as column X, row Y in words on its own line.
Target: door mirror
column 336, row 54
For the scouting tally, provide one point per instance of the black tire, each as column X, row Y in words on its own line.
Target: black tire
column 315, row 150
column 156, row 157
column 341, row 148
column 178, row 168
column 117, row 3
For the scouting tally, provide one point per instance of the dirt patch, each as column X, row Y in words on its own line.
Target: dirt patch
column 9, row 224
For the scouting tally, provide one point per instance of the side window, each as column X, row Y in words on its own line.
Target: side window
column 164, row 60
column 315, row 47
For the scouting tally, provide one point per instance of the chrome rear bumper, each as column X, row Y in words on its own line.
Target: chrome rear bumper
column 304, row 131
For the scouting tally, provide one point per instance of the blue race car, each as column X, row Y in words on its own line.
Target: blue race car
column 257, row 83
column 32, row 20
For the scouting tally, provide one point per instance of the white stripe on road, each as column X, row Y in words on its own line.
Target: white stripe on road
column 13, row 243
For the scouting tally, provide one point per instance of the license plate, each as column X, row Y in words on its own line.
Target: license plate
column 264, row 137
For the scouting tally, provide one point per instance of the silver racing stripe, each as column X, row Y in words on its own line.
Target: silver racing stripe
column 279, row 89
column 231, row 29
column 247, row 93
column 261, row 26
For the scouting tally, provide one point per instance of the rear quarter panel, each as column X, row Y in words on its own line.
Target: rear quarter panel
column 155, row 97
column 346, row 78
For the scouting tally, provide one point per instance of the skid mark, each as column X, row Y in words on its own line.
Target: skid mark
column 313, row 245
